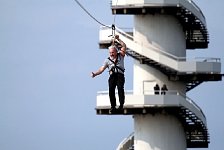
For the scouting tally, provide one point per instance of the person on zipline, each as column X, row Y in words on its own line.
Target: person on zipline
column 115, row 64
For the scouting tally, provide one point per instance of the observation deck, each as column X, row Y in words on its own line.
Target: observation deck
column 186, row 11
column 173, row 103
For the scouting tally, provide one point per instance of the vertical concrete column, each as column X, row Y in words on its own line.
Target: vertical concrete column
column 166, row 32
column 158, row 132
column 162, row 30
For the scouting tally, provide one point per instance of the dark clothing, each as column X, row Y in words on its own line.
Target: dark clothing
column 116, row 79
column 156, row 89
column 163, row 90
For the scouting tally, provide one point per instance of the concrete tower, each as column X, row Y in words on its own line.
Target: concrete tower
column 163, row 31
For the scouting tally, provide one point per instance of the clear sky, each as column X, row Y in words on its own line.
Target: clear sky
column 47, row 97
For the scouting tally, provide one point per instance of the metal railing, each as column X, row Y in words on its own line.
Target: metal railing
column 196, row 7
column 157, row 49
column 178, row 2
column 151, row 92
column 151, row 47
column 127, row 92
column 192, row 102
column 208, row 59
column 126, row 143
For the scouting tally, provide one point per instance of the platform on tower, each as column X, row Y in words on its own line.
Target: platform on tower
column 148, row 101
column 186, row 11
column 172, row 103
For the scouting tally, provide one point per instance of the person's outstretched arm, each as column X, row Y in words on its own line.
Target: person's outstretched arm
column 98, row 72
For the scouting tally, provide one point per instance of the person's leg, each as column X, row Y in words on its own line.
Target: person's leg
column 120, row 87
column 112, row 86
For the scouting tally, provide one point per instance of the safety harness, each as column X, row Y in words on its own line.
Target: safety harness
column 116, row 68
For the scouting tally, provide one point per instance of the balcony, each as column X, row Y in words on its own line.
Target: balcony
column 173, row 103
column 186, row 11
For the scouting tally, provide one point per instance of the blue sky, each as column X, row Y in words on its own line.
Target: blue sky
column 47, row 97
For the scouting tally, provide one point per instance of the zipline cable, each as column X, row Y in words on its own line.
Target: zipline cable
column 80, row 5
column 113, row 25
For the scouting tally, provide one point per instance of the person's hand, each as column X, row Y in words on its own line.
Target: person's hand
column 93, row 75
column 116, row 37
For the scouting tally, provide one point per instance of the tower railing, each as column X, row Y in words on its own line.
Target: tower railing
column 127, row 143
column 151, row 46
column 158, row 49
column 188, row 4
column 196, row 6
column 192, row 102
column 172, row 92
column 151, row 92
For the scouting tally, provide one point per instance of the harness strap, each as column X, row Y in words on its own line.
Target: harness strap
column 115, row 65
